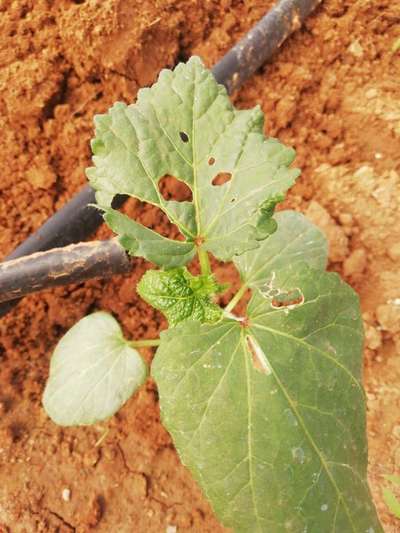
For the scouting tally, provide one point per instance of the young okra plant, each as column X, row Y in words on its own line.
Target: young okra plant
column 266, row 409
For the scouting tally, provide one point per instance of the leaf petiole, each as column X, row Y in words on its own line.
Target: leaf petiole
column 144, row 343
column 238, row 296
column 204, row 261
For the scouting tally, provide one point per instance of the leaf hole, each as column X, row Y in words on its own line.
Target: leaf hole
column 173, row 189
column 151, row 217
column 184, row 136
column 221, row 178
column 288, row 299
column 211, row 161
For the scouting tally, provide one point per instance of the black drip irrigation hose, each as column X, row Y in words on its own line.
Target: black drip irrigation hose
column 61, row 266
column 262, row 41
column 77, row 220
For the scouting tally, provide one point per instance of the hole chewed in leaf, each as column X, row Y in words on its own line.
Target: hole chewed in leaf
column 289, row 299
column 221, row 178
column 211, row 161
column 282, row 298
column 258, row 356
column 174, row 189
column 151, row 217
column 184, row 136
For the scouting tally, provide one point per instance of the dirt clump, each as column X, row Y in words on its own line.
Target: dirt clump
column 338, row 245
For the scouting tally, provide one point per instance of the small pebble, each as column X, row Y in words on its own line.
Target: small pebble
column 355, row 263
column 356, row 49
column 346, row 219
column 171, row 529
column 365, row 172
column 371, row 93
column 373, row 337
column 66, row 495
column 388, row 316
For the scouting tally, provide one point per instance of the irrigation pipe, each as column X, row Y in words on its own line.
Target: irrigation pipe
column 77, row 220
column 61, row 266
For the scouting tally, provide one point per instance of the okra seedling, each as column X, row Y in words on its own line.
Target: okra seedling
column 267, row 409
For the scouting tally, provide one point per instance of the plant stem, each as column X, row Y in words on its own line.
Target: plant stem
column 204, row 261
column 236, row 298
column 145, row 343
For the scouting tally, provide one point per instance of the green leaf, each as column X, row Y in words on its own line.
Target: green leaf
column 186, row 126
column 393, row 478
column 269, row 412
column 295, row 241
column 143, row 242
column 392, row 502
column 389, row 498
column 93, row 372
column 180, row 295
column 266, row 225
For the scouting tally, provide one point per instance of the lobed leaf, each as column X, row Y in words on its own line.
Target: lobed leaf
column 180, row 295
column 269, row 413
column 93, row 372
column 186, row 126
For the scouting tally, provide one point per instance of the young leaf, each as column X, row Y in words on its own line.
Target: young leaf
column 296, row 240
column 186, row 126
column 180, row 295
column 93, row 372
column 269, row 413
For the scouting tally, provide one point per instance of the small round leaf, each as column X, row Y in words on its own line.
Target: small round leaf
column 93, row 372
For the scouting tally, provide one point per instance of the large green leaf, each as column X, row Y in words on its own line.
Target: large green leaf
column 180, row 295
column 186, row 126
column 295, row 241
column 93, row 371
column 269, row 412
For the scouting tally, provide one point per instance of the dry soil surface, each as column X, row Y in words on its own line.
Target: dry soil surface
column 333, row 92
